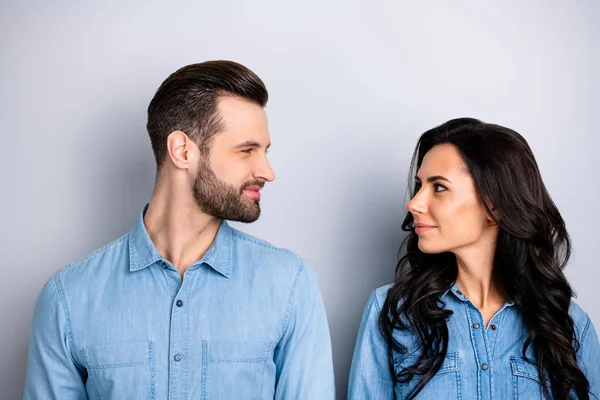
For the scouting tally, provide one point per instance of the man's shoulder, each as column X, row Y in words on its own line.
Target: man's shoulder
column 87, row 268
column 255, row 245
column 269, row 255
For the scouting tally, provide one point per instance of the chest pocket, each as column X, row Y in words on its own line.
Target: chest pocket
column 527, row 382
column 120, row 371
column 444, row 385
column 237, row 369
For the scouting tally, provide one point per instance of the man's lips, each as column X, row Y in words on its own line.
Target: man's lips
column 253, row 191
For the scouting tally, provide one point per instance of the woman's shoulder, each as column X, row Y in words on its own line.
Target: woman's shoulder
column 379, row 295
column 581, row 319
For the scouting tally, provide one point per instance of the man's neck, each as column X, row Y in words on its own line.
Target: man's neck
column 181, row 233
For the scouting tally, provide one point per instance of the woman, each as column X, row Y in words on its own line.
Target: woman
column 480, row 307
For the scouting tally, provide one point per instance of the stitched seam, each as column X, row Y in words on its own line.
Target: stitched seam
column 122, row 365
column 288, row 311
column 204, row 369
column 376, row 302
column 230, row 254
column 63, row 302
column 217, row 360
column 132, row 253
column 98, row 252
column 458, row 387
column 247, row 238
column 90, row 375
column 152, row 369
column 518, row 369
column 486, row 346
column 584, row 332
column 473, row 343
column 187, row 295
column 455, row 367
column 262, row 380
column 270, row 349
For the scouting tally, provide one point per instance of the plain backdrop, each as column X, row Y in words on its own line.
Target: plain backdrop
column 352, row 86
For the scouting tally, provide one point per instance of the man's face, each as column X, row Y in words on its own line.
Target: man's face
column 229, row 178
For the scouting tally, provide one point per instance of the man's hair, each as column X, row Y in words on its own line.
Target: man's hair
column 187, row 101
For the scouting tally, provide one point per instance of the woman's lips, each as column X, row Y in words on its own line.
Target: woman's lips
column 422, row 228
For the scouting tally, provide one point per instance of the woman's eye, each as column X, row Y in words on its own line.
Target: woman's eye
column 439, row 188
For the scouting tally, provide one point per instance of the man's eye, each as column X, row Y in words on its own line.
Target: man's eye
column 247, row 151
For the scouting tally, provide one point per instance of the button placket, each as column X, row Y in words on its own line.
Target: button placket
column 179, row 338
column 479, row 341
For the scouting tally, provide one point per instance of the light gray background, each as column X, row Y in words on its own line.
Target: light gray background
column 352, row 86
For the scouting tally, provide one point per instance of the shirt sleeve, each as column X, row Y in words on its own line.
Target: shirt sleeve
column 51, row 371
column 370, row 376
column 589, row 358
column 303, row 355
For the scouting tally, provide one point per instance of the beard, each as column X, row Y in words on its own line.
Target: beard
column 222, row 200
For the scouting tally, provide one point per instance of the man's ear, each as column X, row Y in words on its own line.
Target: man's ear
column 181, row 150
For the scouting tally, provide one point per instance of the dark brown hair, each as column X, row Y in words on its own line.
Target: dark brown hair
column 533, row 247
column 187, row 101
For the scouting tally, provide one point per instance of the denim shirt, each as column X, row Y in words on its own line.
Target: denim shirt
column 246, row 322
column 481, row 363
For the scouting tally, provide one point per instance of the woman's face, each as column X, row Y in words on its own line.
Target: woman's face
column 448, row 212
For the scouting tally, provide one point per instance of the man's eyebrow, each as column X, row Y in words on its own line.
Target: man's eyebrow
column 250, row 143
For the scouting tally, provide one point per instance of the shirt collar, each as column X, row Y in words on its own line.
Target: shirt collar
column 461, row 296
column 142, row 252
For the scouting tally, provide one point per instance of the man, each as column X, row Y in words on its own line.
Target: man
column 184, row 306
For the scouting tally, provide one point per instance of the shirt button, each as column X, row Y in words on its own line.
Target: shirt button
column 476, row 325
column 493, row 327
column 484, row 367
column 164, row 265
column 177, row 357
column 179, row 303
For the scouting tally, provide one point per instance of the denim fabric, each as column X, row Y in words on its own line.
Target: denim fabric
column 481, row 363
column 246, row 322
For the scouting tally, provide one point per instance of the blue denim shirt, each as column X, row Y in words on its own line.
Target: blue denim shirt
column 481, row 363
column 246, row 322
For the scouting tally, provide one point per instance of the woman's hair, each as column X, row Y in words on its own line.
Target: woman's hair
column 532, row 249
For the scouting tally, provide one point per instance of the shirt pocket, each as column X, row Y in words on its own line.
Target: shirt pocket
column 237, row 369
column 120, row 371
column 444, row 385
column 527, row 384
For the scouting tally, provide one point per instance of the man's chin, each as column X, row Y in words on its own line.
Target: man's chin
column 247, row 219
column 252, row 213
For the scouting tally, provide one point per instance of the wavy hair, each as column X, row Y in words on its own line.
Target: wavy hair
column 532, row 249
